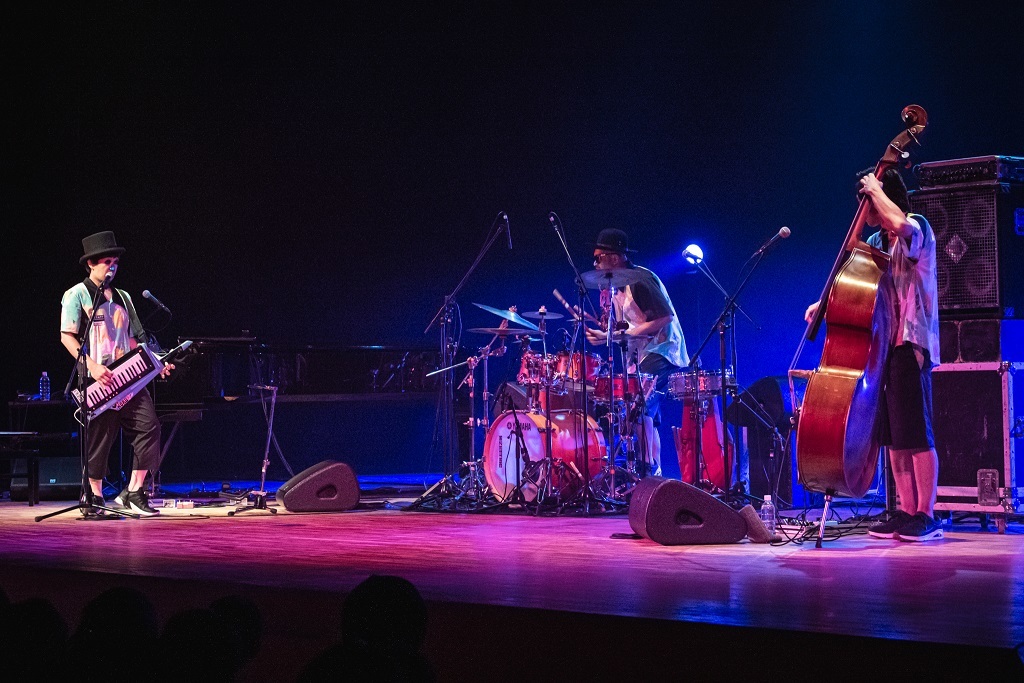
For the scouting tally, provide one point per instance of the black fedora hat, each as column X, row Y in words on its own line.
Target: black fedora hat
column 613, row 239
column 100, row 244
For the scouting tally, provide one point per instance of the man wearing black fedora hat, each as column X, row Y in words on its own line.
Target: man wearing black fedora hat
column 646, row 309
column 115, row 330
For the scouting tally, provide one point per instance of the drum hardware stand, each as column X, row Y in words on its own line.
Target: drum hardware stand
column 544, row 490
column 446, row 488
column 81, row 371
column 260, row 497
column 516, row 496
column 470, row 485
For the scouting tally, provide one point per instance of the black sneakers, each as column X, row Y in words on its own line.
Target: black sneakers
column 921, row 527
column 120, row 500
column 138, row 502
column 96, row 505
column 890, row 528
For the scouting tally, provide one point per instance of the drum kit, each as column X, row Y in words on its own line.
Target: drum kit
column 534, row 455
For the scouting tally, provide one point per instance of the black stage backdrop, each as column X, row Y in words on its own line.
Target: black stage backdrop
column 328, row 176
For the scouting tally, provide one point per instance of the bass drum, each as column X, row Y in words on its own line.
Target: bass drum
column 500, row 452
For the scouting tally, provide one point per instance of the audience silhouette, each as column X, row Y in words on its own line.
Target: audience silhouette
column 383, row 626
column 35, row 638
column 118, row 637
column 244, row 625
column 117, row 631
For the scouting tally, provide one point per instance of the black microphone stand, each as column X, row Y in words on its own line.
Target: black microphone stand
column 81, row 371
column 727, row 320
column 586, row 496
column 439, row 496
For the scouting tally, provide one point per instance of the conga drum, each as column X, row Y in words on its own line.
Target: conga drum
column 711, row 442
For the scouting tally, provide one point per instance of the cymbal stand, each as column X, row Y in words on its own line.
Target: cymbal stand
column 516, row 496
column 439, row 496
column 547, row 376
column 470, row 486
column 260, row 497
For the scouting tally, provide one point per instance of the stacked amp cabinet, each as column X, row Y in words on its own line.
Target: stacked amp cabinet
column 976, row 208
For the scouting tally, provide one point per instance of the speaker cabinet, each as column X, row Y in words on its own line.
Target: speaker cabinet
column 671, row 512
column 981, row 341
column 978, row 422
column 60, row 478
column 979, row 233
column 328, row 486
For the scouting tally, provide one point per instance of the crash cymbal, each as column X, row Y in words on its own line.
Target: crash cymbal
column 546, row 315
column 611, row 277
column 507, row 331
column 508, row 315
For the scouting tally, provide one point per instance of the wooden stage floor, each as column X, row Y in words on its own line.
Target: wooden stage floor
column 504, row 587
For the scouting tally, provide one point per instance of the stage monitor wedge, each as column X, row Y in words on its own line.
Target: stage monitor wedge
column 671, row 512
column 328, row 486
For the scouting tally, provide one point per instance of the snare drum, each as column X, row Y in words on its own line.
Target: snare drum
column 701, row 384
column 622, row 388
column 500, row 456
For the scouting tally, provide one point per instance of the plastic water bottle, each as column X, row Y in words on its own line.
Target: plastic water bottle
column 44, row 387
column 768, row 514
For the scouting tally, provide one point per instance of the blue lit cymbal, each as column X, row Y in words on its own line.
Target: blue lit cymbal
column 511, row 316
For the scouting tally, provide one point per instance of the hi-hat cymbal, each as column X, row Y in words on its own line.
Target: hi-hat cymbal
column 506, row 331
column 508, row 315
column 546, row 315
column 611, row 277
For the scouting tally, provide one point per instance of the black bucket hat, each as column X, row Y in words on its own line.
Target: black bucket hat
column 100, row 244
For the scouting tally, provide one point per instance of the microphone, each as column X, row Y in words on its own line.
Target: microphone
column 693, row 254
column 782, row 234
column 508, row 231
column 149, row 295
column 106, row 279
column 554, row 221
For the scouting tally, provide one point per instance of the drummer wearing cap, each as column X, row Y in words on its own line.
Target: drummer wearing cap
column 646, row 309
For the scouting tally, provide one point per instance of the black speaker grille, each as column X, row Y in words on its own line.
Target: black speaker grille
column 966, row 246
column 975, row 245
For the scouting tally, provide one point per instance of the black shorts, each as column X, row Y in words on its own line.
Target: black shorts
column 907, row 408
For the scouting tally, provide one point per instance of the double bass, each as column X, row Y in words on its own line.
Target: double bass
column 838, row 439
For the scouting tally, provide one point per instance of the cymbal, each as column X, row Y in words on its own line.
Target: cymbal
column 610, row 277
column 506, row 331
column 547, row 315
column 508, row 315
